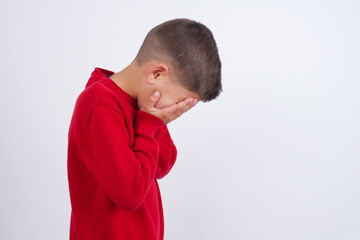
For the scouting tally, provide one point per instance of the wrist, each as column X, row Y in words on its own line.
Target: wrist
column 148, row 122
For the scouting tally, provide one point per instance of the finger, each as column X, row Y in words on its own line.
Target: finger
column 190, row 105
column 182, row 107
column 177, row 109
column 153, row 99
column 184, row 103
column 187, row 104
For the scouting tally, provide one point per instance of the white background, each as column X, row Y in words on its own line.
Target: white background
column 276, row 156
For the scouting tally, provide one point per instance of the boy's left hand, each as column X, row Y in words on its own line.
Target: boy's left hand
column 168, row 113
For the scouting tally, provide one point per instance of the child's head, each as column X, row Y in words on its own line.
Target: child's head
column 180, row 59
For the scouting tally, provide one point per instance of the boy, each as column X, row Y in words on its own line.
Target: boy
column 118, row 142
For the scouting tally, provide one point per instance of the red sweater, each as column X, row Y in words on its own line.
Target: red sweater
column 116, row 153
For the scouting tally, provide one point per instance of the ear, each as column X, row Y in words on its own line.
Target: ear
column 156, row 72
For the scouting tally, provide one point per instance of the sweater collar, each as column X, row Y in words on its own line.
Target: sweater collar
column 103, row 74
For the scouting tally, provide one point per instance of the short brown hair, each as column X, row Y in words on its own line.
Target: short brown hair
column 190, row 49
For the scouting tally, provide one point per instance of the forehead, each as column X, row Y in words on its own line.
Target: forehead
column 181, row 93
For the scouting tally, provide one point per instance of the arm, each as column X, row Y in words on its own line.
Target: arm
column 125, row 173
column 167, row 154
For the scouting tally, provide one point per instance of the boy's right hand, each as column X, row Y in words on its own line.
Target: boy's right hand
column 168, row 113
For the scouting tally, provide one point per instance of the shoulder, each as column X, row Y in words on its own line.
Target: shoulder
column 107, row 96
column 99, row 94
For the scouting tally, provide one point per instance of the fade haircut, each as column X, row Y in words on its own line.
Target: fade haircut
column 190, row 50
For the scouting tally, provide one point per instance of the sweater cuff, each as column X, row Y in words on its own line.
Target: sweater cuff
column 147, row 122
column 161, row 131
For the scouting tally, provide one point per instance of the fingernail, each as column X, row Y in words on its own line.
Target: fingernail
column 156, row 94
column 195, row 101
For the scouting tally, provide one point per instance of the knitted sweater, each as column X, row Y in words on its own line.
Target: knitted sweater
column 116, row 153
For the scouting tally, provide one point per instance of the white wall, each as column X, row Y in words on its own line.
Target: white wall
column 276, row 156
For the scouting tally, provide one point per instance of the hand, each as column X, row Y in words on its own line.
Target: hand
column 168, row 113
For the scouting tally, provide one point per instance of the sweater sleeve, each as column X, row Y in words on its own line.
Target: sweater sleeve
column 125, row 173
column 167, row 152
